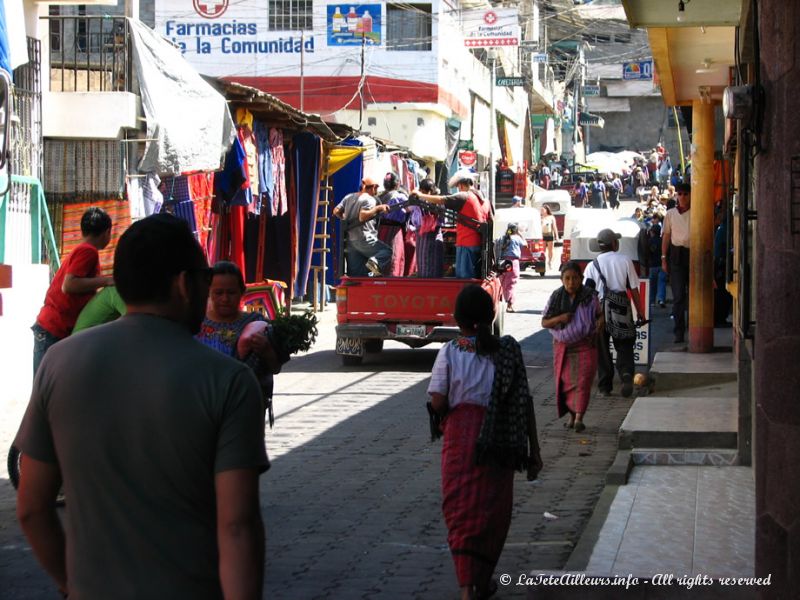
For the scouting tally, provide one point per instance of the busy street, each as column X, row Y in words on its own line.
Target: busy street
column 352, row 502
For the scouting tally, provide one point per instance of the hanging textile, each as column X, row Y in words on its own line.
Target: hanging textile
column 307, row 154
column 345, row 180
column 279, row 201
column 71, row 234
column 266, row 177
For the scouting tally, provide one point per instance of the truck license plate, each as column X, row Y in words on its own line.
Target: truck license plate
column 350, row 346
column 411, row 330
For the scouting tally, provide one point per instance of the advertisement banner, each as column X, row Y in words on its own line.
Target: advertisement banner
column 362, row 21
column 641, row 347
column 637, row 70
column 492, row 28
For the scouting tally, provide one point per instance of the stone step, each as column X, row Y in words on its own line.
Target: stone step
column 711, row 457
column 680, row 370
column 659, row 422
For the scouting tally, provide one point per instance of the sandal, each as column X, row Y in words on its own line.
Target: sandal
column 579, row 426
column 510, row 309
column 568, row 425
column 490, row 591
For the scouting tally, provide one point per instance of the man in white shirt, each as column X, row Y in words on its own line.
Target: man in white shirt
column 675, row 256
column 617, row 273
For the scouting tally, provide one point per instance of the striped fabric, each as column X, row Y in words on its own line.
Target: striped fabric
column 476, row 500
column 575, row 366
column 120, row 214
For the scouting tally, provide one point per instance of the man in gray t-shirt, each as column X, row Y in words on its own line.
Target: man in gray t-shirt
column 158, row 440
column 365, row 252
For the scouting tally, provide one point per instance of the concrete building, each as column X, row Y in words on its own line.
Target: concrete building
column 409, row 78
column 746, row 52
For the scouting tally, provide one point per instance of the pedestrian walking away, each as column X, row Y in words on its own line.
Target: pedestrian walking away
column 470, row 203
column 509, row 248
column 480, row 388
column 365, row 252
column 614, row 275
column 575, row 320
column 675, row 256
column 158, row 440
column 73, row 286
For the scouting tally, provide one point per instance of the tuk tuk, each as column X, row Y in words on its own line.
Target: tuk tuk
column 529, row 224
column 582, row 243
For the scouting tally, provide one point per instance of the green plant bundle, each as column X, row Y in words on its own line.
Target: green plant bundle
column 295, row 332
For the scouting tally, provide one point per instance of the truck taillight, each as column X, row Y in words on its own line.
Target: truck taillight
column 341, row 295
column 565, row 251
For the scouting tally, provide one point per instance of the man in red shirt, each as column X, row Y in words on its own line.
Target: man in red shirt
column 468, row 202
column 73, row 286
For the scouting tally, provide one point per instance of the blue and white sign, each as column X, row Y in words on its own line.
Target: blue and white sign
column 637, row 70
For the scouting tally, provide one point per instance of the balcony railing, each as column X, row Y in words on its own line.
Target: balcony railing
column 89, row 54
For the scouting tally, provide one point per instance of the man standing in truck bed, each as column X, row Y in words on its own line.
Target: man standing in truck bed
column 365, row 252
column 469, row 203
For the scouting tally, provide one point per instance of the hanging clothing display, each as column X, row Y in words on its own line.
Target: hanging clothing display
column 279, row 201
column 266, row 176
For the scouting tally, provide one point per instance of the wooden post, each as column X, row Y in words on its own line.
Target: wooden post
column 701, row 278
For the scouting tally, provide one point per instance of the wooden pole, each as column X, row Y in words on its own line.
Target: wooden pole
column 701, row 278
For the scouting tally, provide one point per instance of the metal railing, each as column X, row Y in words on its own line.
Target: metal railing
column 89, row 54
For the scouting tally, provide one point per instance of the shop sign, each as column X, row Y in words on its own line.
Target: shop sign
column 467, row 158
column 510, row 81
column 539, row 57
column 495, row 27
column 591, row 90
column 637, row 70
column 360, row 22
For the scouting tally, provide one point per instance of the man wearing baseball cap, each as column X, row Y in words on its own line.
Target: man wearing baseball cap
column 613, row 271
column 365, row 252
column 468, row 202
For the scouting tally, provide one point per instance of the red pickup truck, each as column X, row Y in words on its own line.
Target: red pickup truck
column 410, row 310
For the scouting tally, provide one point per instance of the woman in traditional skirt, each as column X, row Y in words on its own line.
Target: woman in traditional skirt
column 391, row 230
column 509, row 248
column 430, row 242
column 479, row 384
column 574, row 317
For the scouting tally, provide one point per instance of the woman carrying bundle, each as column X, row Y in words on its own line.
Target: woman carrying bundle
column 574, row 318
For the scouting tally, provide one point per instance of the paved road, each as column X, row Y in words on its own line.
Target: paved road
column 352, row 502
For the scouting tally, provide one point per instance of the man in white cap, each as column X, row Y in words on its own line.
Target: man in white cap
column 469, row 203
column 613, row 274
column 365, row 252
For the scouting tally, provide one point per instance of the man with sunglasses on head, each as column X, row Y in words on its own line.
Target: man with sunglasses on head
column 365, row 252
column 675, row 256
column 157, row 440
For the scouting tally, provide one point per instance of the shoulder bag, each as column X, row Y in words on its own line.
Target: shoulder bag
column 617, row 310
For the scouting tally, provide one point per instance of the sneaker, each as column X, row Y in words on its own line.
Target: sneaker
column 662, row 304
column 627, row 385
column 372, row 267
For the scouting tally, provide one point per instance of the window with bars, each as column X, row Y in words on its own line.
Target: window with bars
column 291, row 15
column 56, row 34
column 408, row 27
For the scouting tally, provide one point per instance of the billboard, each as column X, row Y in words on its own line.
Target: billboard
column 637, row 70
column 491, row 28
column 359, row 22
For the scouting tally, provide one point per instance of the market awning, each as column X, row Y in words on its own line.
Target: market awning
column 586, row 118
column 340, row 156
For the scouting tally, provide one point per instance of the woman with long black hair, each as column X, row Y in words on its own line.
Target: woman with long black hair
column 480, row 387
